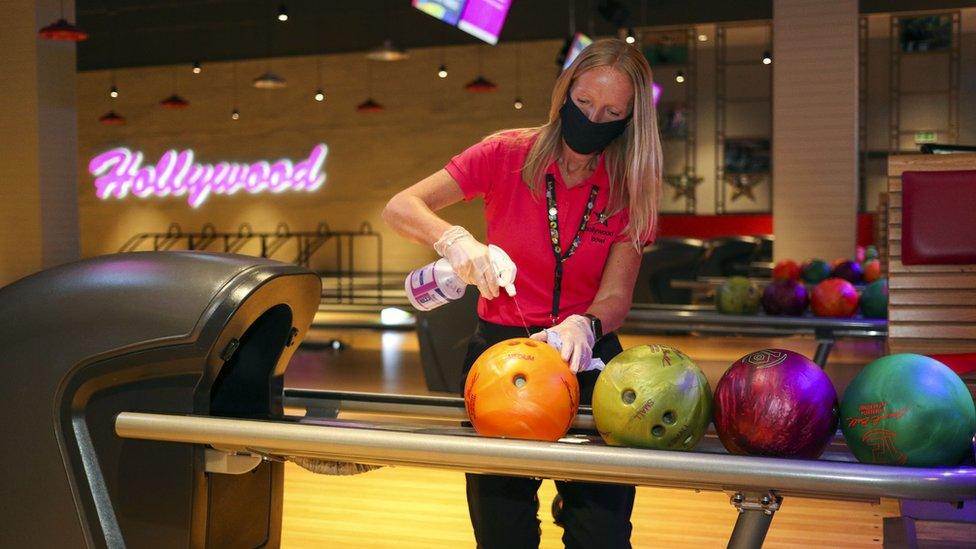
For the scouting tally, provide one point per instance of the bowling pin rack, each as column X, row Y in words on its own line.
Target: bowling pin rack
column 756, row 485
column 342, row 282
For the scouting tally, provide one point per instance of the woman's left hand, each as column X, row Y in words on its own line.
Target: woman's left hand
column 574, row 340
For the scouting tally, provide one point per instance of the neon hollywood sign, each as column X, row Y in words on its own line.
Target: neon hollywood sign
column 120, row 171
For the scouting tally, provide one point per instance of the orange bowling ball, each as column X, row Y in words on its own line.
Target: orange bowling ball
column 872, row 270
column 521, row 388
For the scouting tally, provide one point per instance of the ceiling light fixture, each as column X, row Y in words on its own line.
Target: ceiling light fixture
column 269, row 81
column 197, row 69
column 174, row 102
column 480, row 84
column 282, row 13
column 631, row 37
column 112, row 118
column 369, row 106
column 388, row 51
column 63, row 30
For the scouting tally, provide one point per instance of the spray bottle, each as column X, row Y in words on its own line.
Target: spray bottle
column 436, row 283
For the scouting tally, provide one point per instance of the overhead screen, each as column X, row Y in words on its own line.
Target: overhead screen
column 482, row 19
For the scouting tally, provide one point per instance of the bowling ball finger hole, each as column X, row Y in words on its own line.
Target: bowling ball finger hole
column 658, row 430
column 519, row 380
column 668, row 417
column 628, row 396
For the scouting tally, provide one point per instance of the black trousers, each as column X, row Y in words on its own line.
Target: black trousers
column 505, row 510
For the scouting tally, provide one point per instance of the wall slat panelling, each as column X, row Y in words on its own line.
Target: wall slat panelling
column 931, row 306
column 962, row 297
column 962, row 313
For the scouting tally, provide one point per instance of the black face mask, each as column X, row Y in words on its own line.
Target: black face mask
column 584, row 136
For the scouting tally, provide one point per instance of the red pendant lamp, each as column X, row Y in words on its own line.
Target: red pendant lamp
column 63, row 30
column 480, row 84
column 112, row 118
column 174, row 101
column 370, row 106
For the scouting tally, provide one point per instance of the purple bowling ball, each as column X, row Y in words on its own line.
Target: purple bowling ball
column 850, row 271
column 785, row 297
column 775, row 402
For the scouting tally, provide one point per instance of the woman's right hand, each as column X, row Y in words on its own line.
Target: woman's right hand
column 469, row 259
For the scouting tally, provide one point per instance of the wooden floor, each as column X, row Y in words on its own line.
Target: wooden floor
column 415, row 507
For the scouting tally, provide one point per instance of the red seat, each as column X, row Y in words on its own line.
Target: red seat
column 938, row 221
column 962, row 363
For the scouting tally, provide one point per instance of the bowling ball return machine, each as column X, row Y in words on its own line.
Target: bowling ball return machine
column 143, row 406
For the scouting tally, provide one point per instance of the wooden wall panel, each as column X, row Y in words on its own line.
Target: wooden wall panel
column 815, row 125
column 931, row 307
column 38, row 143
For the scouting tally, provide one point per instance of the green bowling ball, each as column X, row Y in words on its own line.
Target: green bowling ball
column 738, row 296
column 908, row 409
column 814, row 271
column 874, row 299
column 652, row 396
column 871, row 252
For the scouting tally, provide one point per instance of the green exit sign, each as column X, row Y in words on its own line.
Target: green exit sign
column 925, row 137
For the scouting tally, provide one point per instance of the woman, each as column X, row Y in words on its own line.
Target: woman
column 572, row 202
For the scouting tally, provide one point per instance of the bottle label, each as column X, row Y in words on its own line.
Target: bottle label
column 426, row 292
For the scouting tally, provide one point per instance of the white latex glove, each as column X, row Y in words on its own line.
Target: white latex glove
column 469, row 259
column 574, row 341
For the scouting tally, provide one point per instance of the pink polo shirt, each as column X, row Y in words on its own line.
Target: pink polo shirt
column 517, row 222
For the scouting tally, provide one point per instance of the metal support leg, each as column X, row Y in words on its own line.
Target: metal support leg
column 755, row 515
column 825, row 343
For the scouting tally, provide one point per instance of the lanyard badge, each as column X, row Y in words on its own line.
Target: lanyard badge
column 557, row 252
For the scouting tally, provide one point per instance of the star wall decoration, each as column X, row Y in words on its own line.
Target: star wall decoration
column 743, row 185
column 684, row 185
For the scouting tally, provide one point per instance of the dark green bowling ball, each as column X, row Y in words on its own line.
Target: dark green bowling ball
column 908, row 409
column 815, row 270
column 874, row 299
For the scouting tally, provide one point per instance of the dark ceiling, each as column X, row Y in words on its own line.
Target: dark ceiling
column 131, row 33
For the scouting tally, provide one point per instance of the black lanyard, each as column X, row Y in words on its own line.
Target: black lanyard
column 554, row 236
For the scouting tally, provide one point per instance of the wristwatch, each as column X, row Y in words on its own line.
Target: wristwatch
column 595, row 325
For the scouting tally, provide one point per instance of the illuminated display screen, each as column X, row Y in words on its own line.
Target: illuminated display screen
column 579, row 43
column 482, row 19
column 120, row 172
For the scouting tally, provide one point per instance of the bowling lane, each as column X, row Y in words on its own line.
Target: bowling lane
column 424, row 508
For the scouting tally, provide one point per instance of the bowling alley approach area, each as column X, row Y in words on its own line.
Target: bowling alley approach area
column 494, row 274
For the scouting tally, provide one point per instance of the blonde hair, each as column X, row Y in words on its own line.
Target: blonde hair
column 632, row 161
